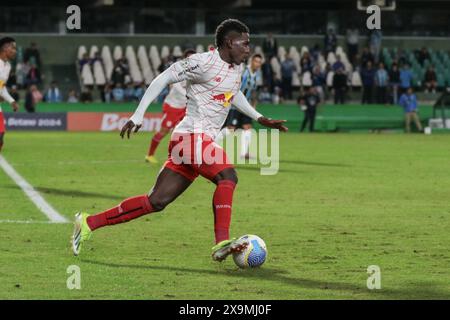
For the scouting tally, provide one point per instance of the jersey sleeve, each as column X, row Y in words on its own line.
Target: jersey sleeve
column 5, row 95
column 189, row 69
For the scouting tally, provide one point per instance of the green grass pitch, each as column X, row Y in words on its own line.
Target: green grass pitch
column 340, row 203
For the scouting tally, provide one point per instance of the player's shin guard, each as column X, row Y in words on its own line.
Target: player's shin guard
column 127, row 210
column 154, row 144
column 222, row 203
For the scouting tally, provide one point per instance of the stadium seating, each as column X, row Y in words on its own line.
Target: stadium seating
column 93, row 51
column 331, row 59
column 281, row 53
column 306, row 79
column 117, row 53
column 144, row 63
column 355, row 80
column 303, row 50
column 329, row 81
column 81, row 51
column 339, row 51
column 276, row 68
column 295, row 56
column 176, row 52
column 165, row 52
column 135, row 72
column 295, row 79
column 154, row 59
column 99, row 74
column 87, row 78
column 107, row 62
column 200, row 48
column 440, row 60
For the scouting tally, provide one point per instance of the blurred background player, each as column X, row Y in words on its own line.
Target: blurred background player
column 7, row 53
column 309, row 103
column 174, row 109
column 237, row 119
column 408, row 101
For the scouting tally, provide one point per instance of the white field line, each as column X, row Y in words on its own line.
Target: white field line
column 65, row 163
column 26, row 221
column 31, row 193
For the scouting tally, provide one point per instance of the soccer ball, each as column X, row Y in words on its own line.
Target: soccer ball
column 254, row 255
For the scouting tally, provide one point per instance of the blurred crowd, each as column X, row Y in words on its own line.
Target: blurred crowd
column 334, row 81
column 119, row 88
column 376, row 83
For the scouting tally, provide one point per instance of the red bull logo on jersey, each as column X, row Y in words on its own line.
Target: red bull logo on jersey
column 226, row 98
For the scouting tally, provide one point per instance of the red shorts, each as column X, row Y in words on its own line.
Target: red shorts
column 2, row 123
column 172, row 116
column 193, row 154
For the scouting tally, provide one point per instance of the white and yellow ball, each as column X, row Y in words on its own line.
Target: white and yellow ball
column 254, row 255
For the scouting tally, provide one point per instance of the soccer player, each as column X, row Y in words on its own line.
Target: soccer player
column 174, row 109
column 309, row 102
column 213, row 82
column 237, row 119
column 7, row 52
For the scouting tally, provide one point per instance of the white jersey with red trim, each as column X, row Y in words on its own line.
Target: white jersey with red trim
column 211, row 84
column 5, row 68
column 176, row 97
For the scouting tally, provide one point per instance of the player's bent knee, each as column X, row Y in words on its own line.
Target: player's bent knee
column 159, row 203
column 227, row 174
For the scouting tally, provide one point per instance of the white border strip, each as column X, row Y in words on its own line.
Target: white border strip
column 31, row 193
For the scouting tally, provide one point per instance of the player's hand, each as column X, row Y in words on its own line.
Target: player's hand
column 128, row 128
column 15, row 106
column 276, row 124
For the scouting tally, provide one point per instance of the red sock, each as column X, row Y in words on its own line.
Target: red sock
column 127, row 210
column 222, row 202
column 155, row 142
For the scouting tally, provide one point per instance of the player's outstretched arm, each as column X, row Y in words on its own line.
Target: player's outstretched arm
column 5, row 95
column 15, row 106
column 153, row 90
column 270, row 123
column 241, row 103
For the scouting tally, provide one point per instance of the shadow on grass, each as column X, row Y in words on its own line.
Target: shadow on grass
column 71, row 193
column 258, row 169
column 413, row 291
column 321, row 164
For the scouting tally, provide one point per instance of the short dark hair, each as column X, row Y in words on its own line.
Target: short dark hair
column 6, row 40
column 188, row 52
column 257, row 55
column 228, row 26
